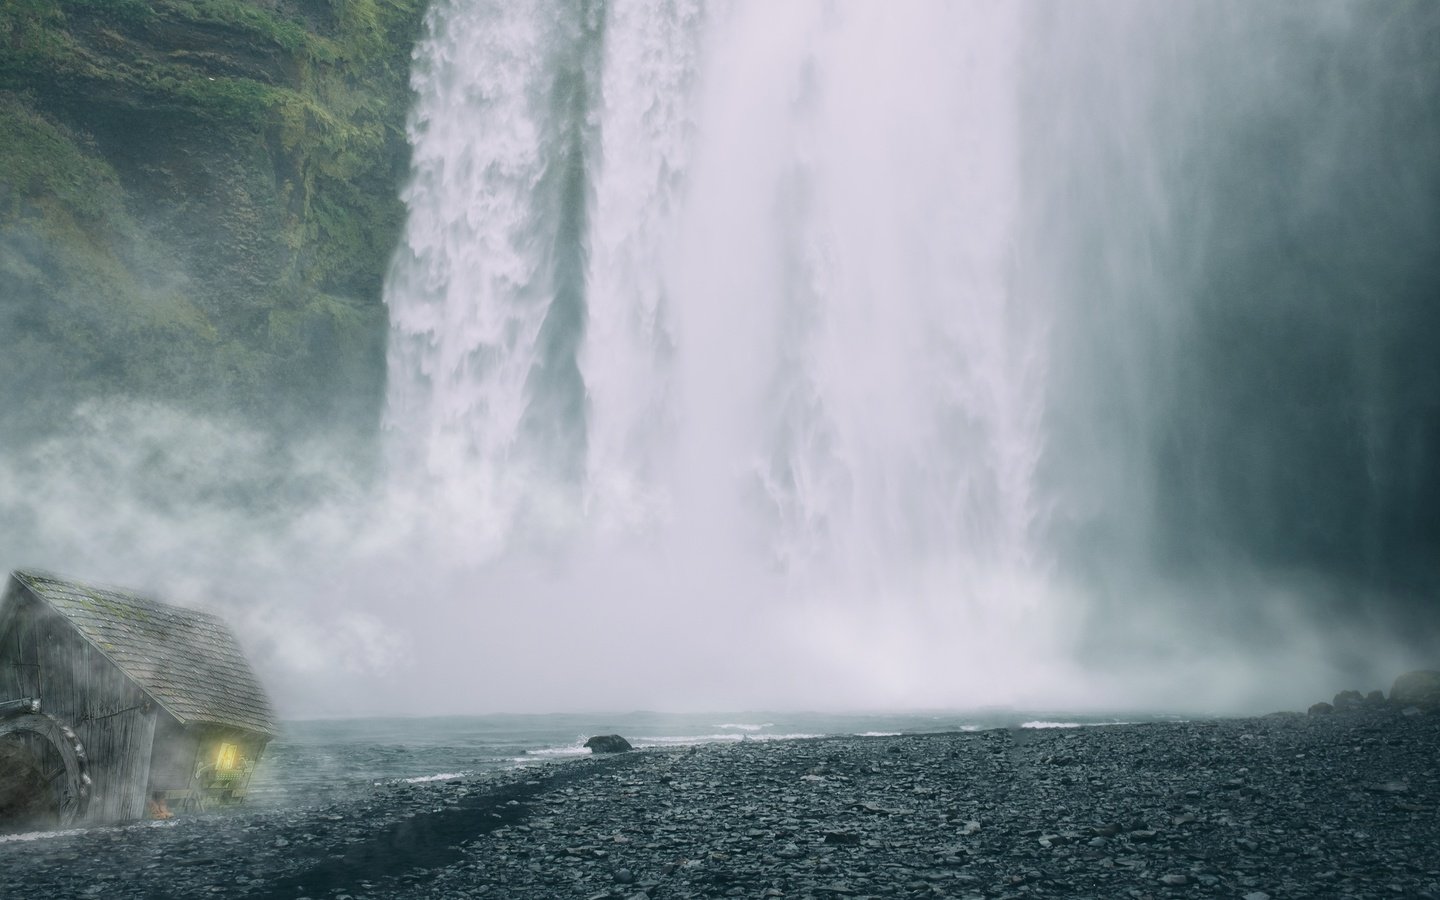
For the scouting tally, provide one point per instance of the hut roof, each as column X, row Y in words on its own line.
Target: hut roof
column 188, row 661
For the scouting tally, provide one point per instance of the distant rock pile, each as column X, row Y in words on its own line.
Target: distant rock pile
column 1413, row 693
column 1420, row 688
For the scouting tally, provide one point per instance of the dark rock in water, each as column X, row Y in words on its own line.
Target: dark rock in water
column 1418, row 688
column 608, row 743
column 1346, row 700
column 1321, row 709
column 1375, row 698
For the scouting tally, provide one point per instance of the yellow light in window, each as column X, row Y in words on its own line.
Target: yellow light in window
column 228, row 756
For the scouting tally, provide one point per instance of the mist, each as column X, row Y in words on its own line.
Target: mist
column 833, row 356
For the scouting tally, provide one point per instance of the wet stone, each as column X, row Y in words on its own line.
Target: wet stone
column 741, row 820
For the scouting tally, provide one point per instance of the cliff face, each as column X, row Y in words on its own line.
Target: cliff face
column 198, row 199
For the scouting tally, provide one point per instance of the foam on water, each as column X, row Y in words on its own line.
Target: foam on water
column 26, row 836
column 577, row 748
column 686, row 740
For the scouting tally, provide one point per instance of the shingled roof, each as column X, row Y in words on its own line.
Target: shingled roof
column 187, row 660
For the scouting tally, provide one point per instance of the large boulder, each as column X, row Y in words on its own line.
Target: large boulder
column 608, row 743
column 1347, row 700
column 1419, row 688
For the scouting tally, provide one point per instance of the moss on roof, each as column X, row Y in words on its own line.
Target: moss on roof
column 187, row 660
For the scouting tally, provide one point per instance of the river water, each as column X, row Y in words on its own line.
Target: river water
column 315, row 759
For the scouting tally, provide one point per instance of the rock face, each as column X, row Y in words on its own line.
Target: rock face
column 1321, row 709
column 198, row 203
column 1348, row 700
column 1419, row 688
column 608, row 743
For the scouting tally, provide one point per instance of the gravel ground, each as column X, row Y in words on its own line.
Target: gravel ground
column 1346, row 805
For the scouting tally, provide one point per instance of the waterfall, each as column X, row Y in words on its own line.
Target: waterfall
column 796, row 275
column 731, row 286
column 486, row 296
column 860, row 330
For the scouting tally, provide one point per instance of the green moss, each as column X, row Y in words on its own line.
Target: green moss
column 31, row 36
column 110, row 608
column 254, row 21
column 198, row 198
column 92, row 301
column 43, row 162
column 130, row 11
column 230, row 99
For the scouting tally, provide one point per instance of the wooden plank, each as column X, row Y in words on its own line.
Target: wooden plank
column 27, row 653
column 172, row 761
column 106, row 709
column 12, row 683
column 135, row 778
column 14, row 610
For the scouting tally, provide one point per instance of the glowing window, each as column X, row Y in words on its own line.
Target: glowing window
column 228, row 756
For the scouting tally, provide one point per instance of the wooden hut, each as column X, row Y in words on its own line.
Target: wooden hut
column 110, row 703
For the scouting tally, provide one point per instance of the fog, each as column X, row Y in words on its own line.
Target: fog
column 837, row 356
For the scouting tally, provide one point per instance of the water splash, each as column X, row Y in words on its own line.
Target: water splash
column 647, row 129
column 816, row 299
column 484, row 293
column 806, row 369
column 882, row 342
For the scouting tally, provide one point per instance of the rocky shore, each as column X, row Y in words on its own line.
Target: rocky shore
column 1282, row 806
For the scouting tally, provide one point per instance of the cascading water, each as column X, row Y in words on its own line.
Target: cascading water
column 812, row 309
column 852, row 334
column 486, row 303
column 801, row 352
column 842, row 354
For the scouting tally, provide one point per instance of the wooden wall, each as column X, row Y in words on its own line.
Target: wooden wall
column 41, row 655
column 19, row 654
column 175, row 757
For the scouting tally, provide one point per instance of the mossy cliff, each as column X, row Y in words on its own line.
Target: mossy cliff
column 198, row 199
